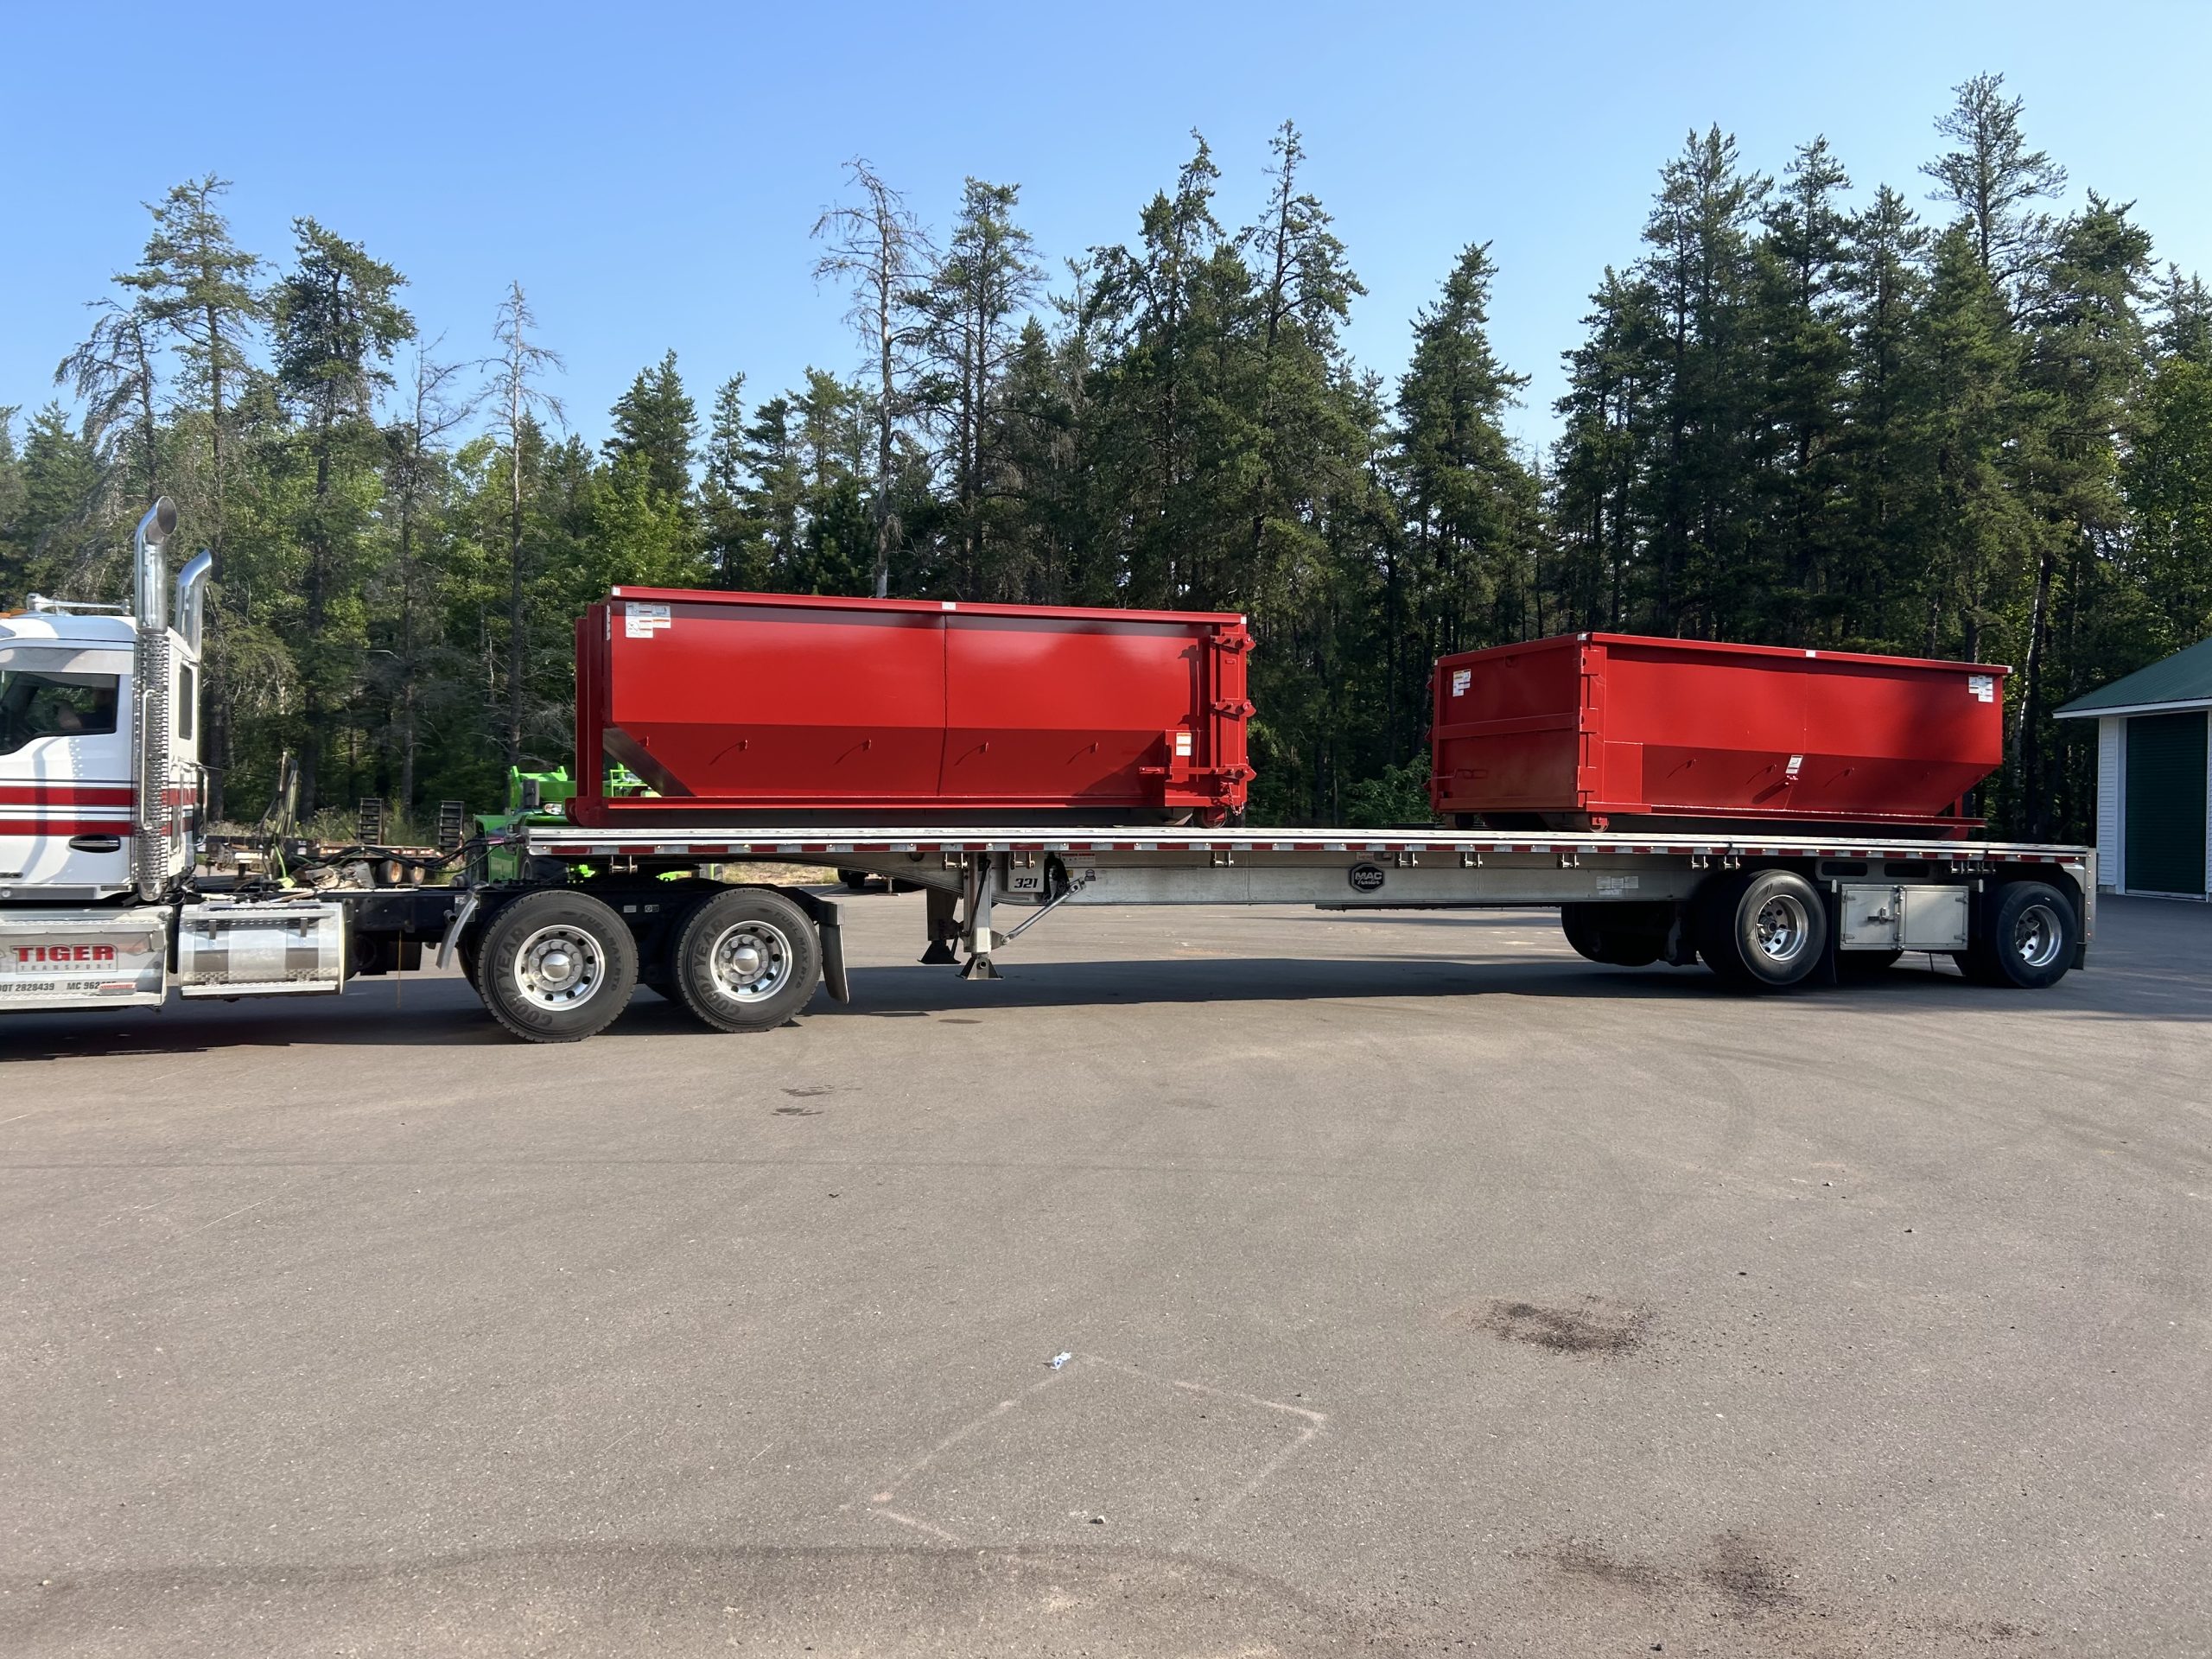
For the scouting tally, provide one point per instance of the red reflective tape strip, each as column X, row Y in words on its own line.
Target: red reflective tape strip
column 64, row 826
column 66, row 795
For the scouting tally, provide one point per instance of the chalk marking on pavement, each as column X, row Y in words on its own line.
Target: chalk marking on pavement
column 919, row 1526
column 240, row 1211
column 1314, row 1422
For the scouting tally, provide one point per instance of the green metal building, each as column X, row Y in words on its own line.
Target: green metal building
column 2153, row 822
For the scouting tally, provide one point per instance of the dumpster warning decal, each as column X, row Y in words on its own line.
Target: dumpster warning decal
column 1982, row 688
column 1460, row 679
column 643, row 622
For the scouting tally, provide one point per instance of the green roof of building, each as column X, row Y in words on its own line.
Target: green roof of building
column 2185, row 677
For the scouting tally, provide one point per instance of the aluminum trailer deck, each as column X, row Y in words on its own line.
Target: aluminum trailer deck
column 1765, row 911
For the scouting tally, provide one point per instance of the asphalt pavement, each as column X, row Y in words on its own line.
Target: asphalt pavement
column 1217, row 1282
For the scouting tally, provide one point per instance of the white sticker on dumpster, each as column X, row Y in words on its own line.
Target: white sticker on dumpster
column 643, row 622
column 1461, row 678
column 1982, row 687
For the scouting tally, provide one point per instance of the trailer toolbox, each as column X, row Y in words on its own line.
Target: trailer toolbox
column 744, row 705
column 1588, row 730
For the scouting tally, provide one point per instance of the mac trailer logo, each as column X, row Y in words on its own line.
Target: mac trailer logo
column 1366, row 878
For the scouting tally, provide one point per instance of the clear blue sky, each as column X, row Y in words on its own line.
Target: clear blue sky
column 650, row 173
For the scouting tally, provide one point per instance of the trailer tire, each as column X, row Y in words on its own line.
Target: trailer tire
column 556, row 966
column 747, row 960
column 1763, row 930
column 2025, row 936
column 1618, row 935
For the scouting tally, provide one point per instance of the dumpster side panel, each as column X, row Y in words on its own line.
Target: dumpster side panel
column 767, row 705
column 1068, row 711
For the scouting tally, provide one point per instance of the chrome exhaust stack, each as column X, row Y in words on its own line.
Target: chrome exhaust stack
column 191, row 598
column 152, row 835
column 149, row 564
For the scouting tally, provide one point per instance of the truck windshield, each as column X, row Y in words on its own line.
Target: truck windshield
column 37, row 702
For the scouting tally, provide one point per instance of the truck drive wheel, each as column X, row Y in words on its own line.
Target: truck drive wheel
column 556, row 966
column 2024, row 935
column 747, row 960
column 1762, row 931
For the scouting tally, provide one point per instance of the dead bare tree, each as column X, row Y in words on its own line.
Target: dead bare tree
column 878, row 247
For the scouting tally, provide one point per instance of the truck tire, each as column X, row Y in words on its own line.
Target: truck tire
column 556, row 966
column 747, row 960
column 2025, row 934
column 1619, row 935
column 1762, row 931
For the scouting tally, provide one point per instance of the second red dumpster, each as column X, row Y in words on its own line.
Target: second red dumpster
column 1588, row 730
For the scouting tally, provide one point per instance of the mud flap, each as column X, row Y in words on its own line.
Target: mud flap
column 829, row 923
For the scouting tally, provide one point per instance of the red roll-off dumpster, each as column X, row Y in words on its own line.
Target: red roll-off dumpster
column 1587, row 730
column 781, row 706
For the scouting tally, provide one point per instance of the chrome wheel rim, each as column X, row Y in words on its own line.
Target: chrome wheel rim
column 750, row 961
column 1783, row 928
column 559, row 967
column 2037, row 936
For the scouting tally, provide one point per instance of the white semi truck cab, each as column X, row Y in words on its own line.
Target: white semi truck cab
column 101, row 789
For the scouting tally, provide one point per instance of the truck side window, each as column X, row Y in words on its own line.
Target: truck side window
column 187, row 689
column 37, row 702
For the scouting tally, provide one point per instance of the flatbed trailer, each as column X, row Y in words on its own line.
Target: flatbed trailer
column 554, row 954
column 104, row 903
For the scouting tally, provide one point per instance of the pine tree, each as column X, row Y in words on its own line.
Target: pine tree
column 336, row 322
column 197, row 286
column 1601, row 496
column 1305, row 289
column 2082, row 370
column 657, row 427
column 1700, row 566
column 972, row 311
column 1992, row 177
column 112, row 374
column 2167, row 477
column 1470, row 505
column 1799, row 273
column 1883, row 281
column 57, row 546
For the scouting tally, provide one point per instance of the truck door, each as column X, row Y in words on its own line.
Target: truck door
column 65, row 793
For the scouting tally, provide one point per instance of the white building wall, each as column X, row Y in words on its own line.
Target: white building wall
column 2111, row 801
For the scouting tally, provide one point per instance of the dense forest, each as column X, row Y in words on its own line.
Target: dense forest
column 1970, row 419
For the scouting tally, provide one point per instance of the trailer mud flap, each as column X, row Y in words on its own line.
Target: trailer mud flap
column 828, row 924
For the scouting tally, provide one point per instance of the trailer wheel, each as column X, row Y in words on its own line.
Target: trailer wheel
column 747, row 960
column 2025, row 938
column 1762, row 931
column 1619, row 935
column 554, row 967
